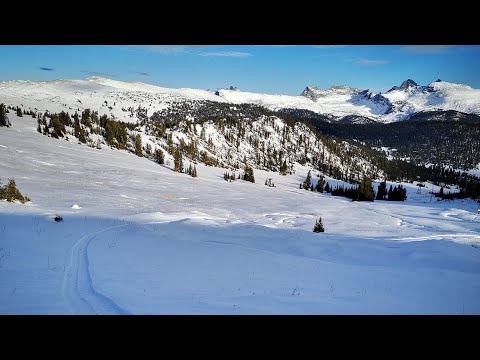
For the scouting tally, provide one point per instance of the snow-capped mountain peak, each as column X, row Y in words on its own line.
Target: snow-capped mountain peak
column 408, row 84
column 310, row 92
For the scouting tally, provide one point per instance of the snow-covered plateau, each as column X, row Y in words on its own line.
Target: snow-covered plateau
column 138, row 238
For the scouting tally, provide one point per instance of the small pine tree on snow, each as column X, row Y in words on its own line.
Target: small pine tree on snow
column 57, row 128
column 365, row 190
column 194, row 171
column 177, row 161
column 81, row 136
column 248, row 174
column 327, row 188
column 3, row 116
column 308, row 181
column 159, row 156
column 320, row 184
column 148, row 149
column 318, row 226
column 382, row 191
column 283, row 168
column 138, row 145
column 76, row 126
column 11, row 193
column 402, row 193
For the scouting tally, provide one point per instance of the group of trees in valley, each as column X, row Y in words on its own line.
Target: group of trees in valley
column 362, row 192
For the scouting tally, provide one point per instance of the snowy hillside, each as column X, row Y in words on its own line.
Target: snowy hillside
column 138, row 238
column 106, row 96
column 120, row 99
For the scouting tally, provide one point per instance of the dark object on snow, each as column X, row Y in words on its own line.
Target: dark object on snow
column 58, row 218
column 318, row 226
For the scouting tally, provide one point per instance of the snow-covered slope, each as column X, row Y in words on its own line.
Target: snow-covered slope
column 106, row 96
column 138, row 238
column 122, row 98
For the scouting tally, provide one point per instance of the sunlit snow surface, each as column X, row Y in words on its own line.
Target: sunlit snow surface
column 145, row 240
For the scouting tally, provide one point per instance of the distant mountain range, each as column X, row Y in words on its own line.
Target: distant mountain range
column 338, row 102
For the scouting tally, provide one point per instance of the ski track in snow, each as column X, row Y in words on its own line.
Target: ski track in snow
column 78, row 287
column 463, row 238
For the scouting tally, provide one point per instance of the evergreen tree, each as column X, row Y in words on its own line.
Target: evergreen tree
column 320, row 184
column 138, row 145
column 382, row 191
column 3, row 116
column 76, row 126
column 58, row 129
column 327, row 188
column 177, row 161
column 318, row 226
column 308, row 181
column 148, row 149
column 11, row 193
column 159, row 156
column 390, row 193
column 283, row 168
column 248, row 174
column 81, row 137
column 194, row 171
column 365, row 190
column 402, row 193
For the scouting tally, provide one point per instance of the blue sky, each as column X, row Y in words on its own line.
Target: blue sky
column 256, row 68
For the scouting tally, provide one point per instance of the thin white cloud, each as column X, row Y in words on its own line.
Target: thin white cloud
column 329, row 46
column 426, row 49
column 168, row 49
column 227, row 54
column 187, row 49
column 98, row 73
column 368, row 62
